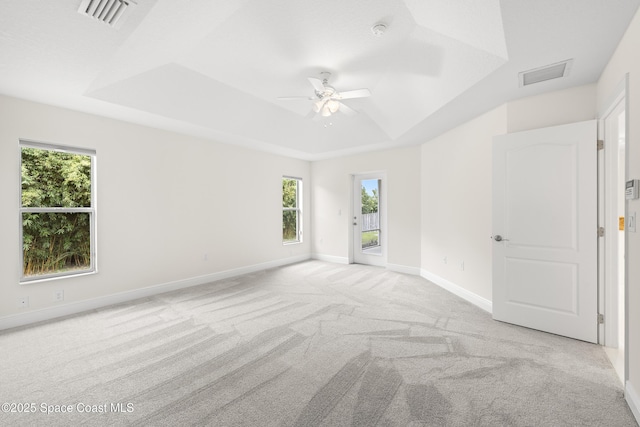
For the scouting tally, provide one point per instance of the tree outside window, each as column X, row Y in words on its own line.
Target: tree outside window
column 291, row 210
column 57, row 211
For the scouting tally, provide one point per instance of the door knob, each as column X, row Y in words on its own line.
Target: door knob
column 499, row 238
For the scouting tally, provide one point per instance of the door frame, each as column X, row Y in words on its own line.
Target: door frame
column 384, row 234
column 608, row 291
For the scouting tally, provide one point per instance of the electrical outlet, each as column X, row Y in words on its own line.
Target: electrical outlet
column 461, row 265
column 58, row 296
column 444, row 260
column 23, row 302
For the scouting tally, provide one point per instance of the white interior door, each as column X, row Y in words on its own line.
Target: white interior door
column 545, row 230
column 369, row 225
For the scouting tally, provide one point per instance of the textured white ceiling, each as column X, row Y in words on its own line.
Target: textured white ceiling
column 215, row 68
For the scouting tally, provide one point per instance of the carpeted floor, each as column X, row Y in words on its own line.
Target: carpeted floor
column 310, row 344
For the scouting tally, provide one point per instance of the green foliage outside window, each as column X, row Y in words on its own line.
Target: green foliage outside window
column 290, row 210
column 55, row 241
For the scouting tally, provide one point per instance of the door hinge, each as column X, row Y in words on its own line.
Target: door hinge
column 600, row 231
column 600, row 144
column 600, row 319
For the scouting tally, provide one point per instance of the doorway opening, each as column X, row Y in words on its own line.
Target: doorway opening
column 614, row 126
column 369, row 226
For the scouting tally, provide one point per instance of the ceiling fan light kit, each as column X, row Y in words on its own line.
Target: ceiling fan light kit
column 328, row 100
column 333, row 105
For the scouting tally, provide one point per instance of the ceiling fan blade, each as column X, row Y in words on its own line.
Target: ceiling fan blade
column 344, row 108
column 316, row 83
column 290, row 98
column 358, row 93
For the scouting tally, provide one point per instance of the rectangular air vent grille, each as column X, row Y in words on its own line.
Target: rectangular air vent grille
column 549, row 72
column 108, row 11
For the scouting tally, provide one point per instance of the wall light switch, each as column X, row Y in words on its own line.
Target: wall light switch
column 631, row 223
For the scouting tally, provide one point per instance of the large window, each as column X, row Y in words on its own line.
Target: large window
column 57, row 211
column 291, row 210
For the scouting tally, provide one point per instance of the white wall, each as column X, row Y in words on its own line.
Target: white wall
column 560, row 107
column 331, row 194
column 456, row 203
column 164, row 200
column 627, row 61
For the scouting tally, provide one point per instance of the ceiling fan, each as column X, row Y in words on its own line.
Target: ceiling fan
column 327, row 100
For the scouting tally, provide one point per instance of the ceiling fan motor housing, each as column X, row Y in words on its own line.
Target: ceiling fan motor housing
column 328, row 92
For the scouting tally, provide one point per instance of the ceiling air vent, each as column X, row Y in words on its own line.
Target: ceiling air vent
column 549, row 72
column 108, row 11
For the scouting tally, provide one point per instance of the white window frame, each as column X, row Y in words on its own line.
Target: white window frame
column 297, row 209
column 92, row 211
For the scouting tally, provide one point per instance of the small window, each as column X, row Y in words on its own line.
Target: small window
column 291, row 210
column 57, row 211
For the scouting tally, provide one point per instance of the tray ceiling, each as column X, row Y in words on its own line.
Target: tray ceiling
column 215, row 69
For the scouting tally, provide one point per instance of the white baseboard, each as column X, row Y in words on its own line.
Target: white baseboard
column 404, row 269
column 458, row 290
column 49, row 313
column 331, row 258
column 633, row 400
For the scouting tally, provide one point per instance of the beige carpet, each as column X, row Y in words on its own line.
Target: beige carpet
column 311, row 344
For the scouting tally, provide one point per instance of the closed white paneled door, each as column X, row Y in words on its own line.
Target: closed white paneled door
column 545, row 232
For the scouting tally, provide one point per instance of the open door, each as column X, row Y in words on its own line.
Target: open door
column 545, row 230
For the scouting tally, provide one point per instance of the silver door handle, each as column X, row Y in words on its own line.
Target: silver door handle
column 499, row 238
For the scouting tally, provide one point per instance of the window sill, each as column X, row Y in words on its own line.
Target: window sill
column 61, row 276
